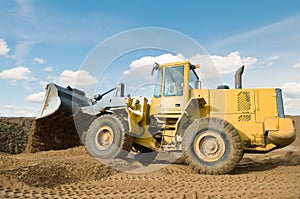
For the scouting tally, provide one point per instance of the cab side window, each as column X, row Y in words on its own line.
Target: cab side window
column 174, row 80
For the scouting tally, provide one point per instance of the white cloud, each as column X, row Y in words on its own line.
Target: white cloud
column 211, row 67
column 291, row 90
column 297, row 65
column 43, row 83
column 48, row 69
column 267, row 63
column 291, row 94
column 148, row 61
column 36, row 97
column 225, row 64
column 10, row 107
column 79, row 79
column 39, row 60
column 138, row 76
column 143, row 66
column 291, row 106
column 15, row 74
column 22, row 50
column 23, row 113
column 11, row 110
column 3, row 48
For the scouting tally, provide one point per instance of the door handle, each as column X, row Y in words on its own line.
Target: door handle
column 177, row 105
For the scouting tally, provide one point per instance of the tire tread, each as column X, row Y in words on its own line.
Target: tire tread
column 234, row 157
column 126, row 140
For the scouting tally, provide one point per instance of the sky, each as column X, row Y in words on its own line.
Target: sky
column 53, row 40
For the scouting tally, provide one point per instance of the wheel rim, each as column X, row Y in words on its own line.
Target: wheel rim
column 209, row 146
column 104, row 138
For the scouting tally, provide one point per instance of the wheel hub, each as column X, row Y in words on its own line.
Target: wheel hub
column 104, row 138
column 209, row 146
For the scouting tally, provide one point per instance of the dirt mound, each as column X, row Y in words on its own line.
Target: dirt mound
column 73, row 173
column 45, row 135
column 20, row 133
column 53, row 168
column 14, row 134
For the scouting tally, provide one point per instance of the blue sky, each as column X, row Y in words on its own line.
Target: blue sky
column 44, row 41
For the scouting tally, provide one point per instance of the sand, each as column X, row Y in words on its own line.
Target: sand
column 73, row 173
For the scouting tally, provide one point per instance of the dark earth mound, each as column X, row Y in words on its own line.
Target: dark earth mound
column 14, row 134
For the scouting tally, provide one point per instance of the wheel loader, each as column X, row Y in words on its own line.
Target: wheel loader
column 212, row 128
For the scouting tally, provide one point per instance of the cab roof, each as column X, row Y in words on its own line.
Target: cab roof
column 174, row 64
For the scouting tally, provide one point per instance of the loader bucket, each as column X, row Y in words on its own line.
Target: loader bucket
column 61, row 102
column 55, row 127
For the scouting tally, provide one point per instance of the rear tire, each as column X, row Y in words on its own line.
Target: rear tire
column 108, row 138
column 212, row 146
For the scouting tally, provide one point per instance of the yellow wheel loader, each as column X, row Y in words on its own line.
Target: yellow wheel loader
column 213, row 128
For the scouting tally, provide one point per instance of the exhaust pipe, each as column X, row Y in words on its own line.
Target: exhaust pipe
column 238, row 77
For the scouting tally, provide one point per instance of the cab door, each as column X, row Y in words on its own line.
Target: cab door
column 173, row 98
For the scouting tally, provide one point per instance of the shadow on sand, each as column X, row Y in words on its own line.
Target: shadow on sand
column 248, row 165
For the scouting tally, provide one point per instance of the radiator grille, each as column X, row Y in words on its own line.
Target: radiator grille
column 244, row 118
column 244, row 101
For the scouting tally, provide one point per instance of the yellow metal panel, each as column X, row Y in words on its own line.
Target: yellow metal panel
column 252, row 132
column 202, row 93
column 169, row 104
column 240, row 118
column 229, row 101
column 217, row 101
column 155, row 105
column 271, row 124
column 266, row 104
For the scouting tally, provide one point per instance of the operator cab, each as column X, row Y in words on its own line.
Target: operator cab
column 172, row 89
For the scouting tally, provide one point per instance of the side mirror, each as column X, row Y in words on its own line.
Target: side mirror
column 155, row 67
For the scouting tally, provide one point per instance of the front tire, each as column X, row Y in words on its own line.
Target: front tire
column 108, row 138
column 212, row 146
